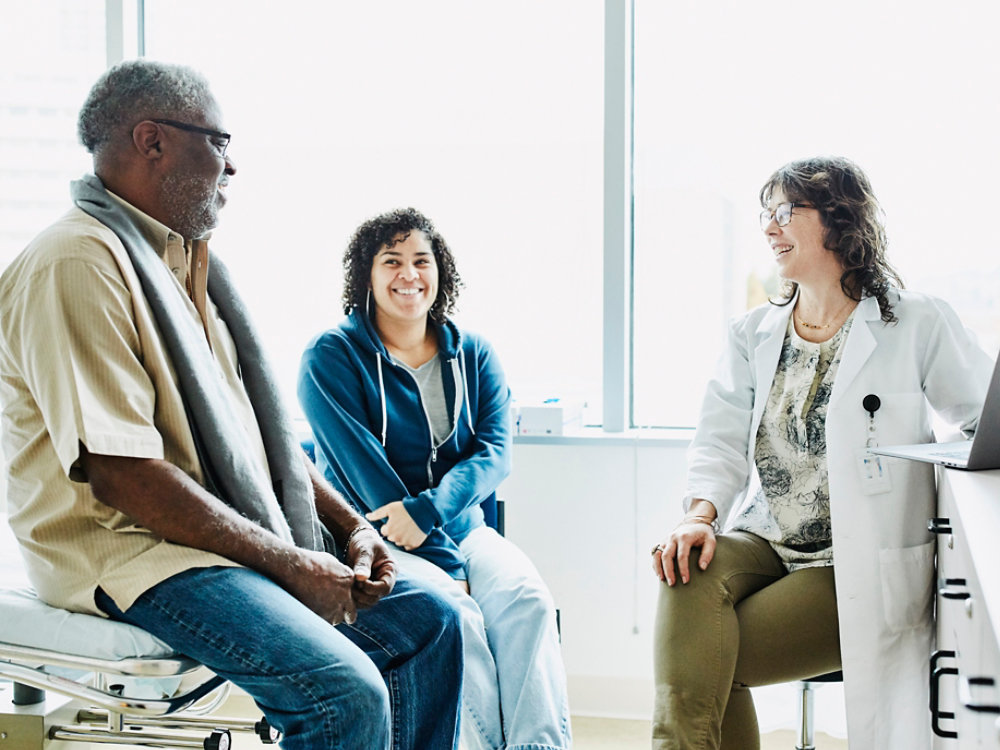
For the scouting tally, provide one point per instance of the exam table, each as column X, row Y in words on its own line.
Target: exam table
column 120, row 684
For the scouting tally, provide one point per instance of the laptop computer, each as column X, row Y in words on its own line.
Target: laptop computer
column 982, row 452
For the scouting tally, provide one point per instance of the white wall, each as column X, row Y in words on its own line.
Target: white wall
column 587, row 513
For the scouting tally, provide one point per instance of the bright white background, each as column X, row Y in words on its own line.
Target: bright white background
column 488, row 117
column 727, row 91
column 485, row 116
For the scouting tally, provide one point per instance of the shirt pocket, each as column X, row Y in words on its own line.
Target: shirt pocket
column 902, row 418
column 907, row 585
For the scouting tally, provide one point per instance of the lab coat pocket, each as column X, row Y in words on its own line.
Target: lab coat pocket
column 907, row 585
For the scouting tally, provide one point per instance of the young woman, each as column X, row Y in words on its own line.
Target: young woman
column 826, row 561
column 412, row 423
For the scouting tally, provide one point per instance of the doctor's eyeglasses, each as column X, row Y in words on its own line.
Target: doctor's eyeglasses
column 782, row 214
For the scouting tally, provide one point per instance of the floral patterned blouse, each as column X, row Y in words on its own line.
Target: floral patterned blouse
column 790, row 494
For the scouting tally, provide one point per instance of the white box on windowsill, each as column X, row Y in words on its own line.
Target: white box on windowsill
column 553, row 417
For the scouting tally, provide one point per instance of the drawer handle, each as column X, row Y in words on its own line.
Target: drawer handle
column 939, row 525
column 965, row 686
column 954, row 588
column 936, row 713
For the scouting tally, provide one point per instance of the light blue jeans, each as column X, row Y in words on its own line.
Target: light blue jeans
column 391, row 680
column 514, row 695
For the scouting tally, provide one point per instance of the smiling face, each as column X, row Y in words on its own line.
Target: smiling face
column 404, row 279
column 191, row 191
column 798, row 246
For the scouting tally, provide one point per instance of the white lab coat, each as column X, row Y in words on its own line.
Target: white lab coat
column 883, row 553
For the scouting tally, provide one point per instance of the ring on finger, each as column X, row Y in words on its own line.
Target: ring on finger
column 657, row 548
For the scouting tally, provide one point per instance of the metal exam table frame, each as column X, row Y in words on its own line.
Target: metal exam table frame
column 127, row 687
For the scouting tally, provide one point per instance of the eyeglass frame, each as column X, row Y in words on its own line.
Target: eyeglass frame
column 770, row 215
column 225, row 137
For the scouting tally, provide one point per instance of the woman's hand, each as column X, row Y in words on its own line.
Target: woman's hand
column 399, row 527
column 696, row 530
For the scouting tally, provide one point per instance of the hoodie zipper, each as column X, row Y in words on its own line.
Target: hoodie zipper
column 430, row 428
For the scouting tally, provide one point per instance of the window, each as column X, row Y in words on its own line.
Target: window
column 50, row 55
column 487, row 118
column 726, row 92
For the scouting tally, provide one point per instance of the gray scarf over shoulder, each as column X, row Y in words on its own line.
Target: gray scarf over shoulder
column 287, row 508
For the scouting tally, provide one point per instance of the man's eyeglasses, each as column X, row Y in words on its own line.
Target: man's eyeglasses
column 782, row 214
column 219, row 139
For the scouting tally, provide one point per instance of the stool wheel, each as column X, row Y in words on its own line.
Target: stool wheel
column 268, row 735
column 220, row 739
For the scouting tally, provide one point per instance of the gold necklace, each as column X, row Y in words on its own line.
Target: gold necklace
column 812, row 327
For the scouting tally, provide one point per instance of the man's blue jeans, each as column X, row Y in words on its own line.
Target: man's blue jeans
column 392, row 679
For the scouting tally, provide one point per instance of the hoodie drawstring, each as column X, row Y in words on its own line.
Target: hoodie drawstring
column 381, row 395
column 465, row 392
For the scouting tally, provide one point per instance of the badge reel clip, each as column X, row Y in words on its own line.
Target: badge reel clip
column 874, row 470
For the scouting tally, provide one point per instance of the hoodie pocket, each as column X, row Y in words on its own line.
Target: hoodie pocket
column 907, row 585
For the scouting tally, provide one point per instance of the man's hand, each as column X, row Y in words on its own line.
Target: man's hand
column 159, row 496
column 374, row 568
column 399, row 528
column 324, row 584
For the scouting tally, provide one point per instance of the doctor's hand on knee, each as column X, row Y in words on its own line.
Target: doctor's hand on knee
column 696, row 530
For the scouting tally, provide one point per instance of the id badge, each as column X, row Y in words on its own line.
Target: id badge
column 874, row 472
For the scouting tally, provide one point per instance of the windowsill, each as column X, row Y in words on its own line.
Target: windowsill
column 677, row 437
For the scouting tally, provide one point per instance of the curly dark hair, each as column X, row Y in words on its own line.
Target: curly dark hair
column 852, row 217
column 384, row 230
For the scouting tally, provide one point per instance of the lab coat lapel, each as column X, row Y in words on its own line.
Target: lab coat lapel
column 858, row 348
column 770, row 337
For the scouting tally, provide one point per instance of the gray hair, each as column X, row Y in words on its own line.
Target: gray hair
column 137, row 90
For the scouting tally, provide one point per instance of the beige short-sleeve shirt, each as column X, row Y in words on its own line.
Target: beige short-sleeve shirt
column 82, row 361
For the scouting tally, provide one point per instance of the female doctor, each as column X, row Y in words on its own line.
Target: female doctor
column 826, row 562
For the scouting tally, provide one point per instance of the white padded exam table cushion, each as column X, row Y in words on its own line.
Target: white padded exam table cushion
column 25, row 620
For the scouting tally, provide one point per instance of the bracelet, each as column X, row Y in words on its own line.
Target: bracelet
column 357, row 530
column 713, row 522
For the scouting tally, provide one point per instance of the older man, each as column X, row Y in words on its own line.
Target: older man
column 153, row 475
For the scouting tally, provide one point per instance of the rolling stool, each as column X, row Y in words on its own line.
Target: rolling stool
column 804, row 741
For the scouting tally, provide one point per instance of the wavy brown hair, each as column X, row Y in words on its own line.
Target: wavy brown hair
column 385, row 230
column 852, row 218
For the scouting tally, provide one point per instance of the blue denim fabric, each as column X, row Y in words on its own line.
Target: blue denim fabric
column 391, row 680
column 515, row 682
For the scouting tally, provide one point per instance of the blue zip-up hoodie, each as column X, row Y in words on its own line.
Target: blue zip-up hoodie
column 373, row 436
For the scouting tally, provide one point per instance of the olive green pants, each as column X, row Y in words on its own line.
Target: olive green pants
column 742, row 623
